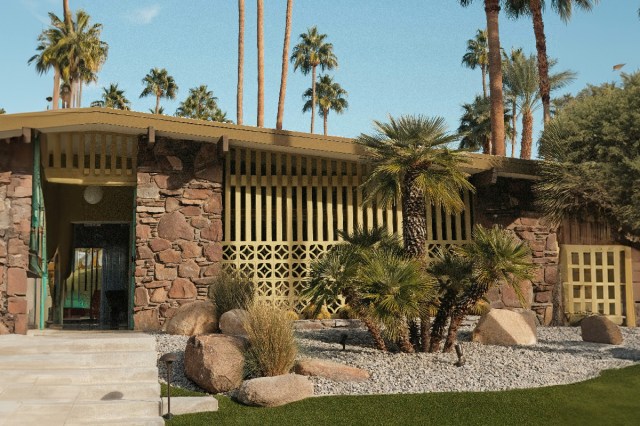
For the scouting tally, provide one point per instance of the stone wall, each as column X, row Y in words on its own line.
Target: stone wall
column 508, row 203
column 16, row 168
column 178, row 228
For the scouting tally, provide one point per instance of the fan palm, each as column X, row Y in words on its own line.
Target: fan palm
column 160, row 84
column 112, row 97
column 411, row 164
column 200, row 104
column 492, row 10
column 564, row 8
column 240, row 86
column 330, row 96
column 475, row 125
column 511, row 97
column 498, row 257
column 285, row 64
column 522, row 79
column 312, row 52
column 477, row 55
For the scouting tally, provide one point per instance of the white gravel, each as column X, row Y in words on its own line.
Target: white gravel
column 560, row 357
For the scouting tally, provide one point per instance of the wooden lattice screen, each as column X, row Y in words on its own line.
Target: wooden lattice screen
column 282, row 211
column 597, row 280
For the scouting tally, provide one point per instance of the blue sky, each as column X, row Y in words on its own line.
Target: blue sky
column 395, row 56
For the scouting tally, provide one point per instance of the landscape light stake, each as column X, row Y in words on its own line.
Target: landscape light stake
column 343, row 340
column 460, row 362
column 169, row 359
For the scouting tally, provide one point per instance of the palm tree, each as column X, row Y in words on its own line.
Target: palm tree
column 160, row 111
column 564, row 8
column 475, row 125
column 201, row 105
column 522, row 79
column 112, row 97
column 2, row 111
column 285, row 64
column 412, row 165
column 498, row 256
column 240, row 61
column 312, row 52
column 492, row 9
column 260, row 14
column 477, row 55
column 159, row 83
column 49, row 58
column 511, row 96
column 330, row 97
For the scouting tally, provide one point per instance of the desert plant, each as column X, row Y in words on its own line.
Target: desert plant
column 272, row 348
column 231, row 290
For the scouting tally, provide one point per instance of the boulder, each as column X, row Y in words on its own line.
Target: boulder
column 506, row 328
column 599, row 329
column 330, row 370
column 3, row 329
column 275, row 391
column 232, row 322
column 215, row 361
column 193, row 319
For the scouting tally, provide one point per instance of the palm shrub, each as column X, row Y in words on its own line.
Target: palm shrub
column 231, row 290
column 272, row 348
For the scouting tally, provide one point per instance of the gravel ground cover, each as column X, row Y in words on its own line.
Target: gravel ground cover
column 560, row 357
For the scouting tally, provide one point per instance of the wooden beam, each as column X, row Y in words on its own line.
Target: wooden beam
column 26, row 134
column 151, row 135
column 486, row 178
column 223, row 146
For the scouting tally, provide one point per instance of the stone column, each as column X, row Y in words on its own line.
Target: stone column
column 178, row 228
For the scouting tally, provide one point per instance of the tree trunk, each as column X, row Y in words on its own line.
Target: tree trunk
column 486, row 145
column 414, row 223
column 72, row 98
column 452, row 335
column 324, row 120
column 240, row 61
column 313, row 96
column 543, row 63
column 468, row 299
column 157, row 104
column 404, row 340
column 260, row 63
column 483, row 68
column 414, row 333
column 514, row 121
column 67, row 15
column 56, row 88
column 375, row 332
column 527, row 134
column 425, row 328
column 557, row 314
column 285, row 65
column 492, row 9
column 440, row 322
column 80, row 94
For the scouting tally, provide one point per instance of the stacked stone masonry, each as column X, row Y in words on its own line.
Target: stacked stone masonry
column 178, row 228
column 16, row 164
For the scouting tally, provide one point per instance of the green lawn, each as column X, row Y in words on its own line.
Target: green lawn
column 611, row 399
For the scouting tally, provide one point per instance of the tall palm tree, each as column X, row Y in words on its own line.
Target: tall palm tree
column 492, row 10
column 522, row 79
column 240, row 61
column 201, row 105
column 310, row 53
column 112, row 97
column 512, row 97
column 475, row 125
column 477, row 55
column 48, row 57
column 285, row 64
column 160, row 84
column 330, row 97
column 260, row 14
column 564, row 9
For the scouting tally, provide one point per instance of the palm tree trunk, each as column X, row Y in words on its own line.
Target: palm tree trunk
column 543, row 63
column 80, row 94
column 492, row 10
column 313, row 96
column 414, row 211
column 324, row 120
column 240, row 61
column 260, row 63
column 527, row 134
column 157, row 104
column 404, row 341
column 486, row 146
column 56, row 88
column 440, row 322
column 452, row 335
column 375, row 332
column 514, row 121
column 469, row 298
column 425, row 327
column 72, row 98
column 483, row 68
column 67, row 15
column 285, row 65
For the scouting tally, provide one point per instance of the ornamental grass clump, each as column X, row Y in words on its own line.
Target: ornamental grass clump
column 272, row 348
column 231, row 290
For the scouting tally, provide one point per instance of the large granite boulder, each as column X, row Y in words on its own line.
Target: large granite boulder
column 330, row 370
column 275, row 391
column 506, row 328
column 232, row 322
column 599, row 329
column 193, row 319
column 215, row 362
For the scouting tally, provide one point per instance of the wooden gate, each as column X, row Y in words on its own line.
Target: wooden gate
column 282, row 211
column 597, row 279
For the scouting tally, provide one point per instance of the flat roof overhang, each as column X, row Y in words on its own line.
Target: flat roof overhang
column 137, row 123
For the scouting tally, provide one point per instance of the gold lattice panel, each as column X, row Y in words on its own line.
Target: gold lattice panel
column 597, row 280
column 281, row 211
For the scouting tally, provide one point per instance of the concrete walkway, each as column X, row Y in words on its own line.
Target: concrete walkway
column 74, row 377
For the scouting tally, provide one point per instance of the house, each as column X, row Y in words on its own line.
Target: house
column 114, row 219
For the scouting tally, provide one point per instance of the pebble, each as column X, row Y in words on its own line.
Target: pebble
column 560, row 357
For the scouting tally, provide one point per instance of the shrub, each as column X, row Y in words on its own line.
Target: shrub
column 272, row 348
column 231, row 290
column 312, row 312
